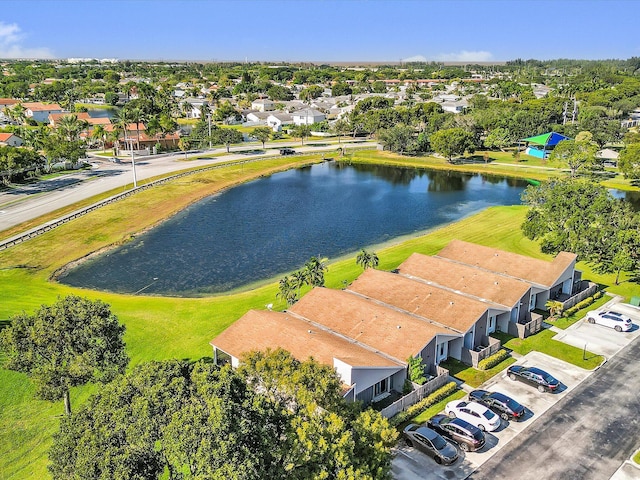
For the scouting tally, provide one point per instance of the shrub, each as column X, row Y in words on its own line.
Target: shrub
column 493, row 360
column 416, row 370
column 407, row 387
column 583, row 304
column 440, row 394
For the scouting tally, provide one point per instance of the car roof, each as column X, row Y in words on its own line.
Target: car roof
column 464, row 425
column 537, row 370
column 427, row 432
column 500, row 396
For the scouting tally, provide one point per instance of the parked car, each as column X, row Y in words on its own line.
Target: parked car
column 474, row 413
column 503, row 405
column 534, row 377
column 468, row 437
column 287, row 151
column 431, row 443
column 615, row 320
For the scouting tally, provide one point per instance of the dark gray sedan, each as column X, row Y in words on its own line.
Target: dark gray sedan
column 431, row 443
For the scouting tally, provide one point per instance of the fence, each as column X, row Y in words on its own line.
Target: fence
column 587, row 289
column 10, row 242
column 418, row 394
column 489, row 346
column 523, row 330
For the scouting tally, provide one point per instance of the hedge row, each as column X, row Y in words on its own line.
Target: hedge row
column 440, row 394
column 493, row 360
column 580, row 305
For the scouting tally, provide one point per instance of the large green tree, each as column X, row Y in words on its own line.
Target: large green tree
column 576, row 154
column 69, row 343
column 262, row 134
column 629, row 161
column 579, row 216
column 275, row 418
column 452, row 141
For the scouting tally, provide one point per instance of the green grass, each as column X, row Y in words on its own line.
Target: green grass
column 161, row 328
column 437, row 408
column 472, row 376
column 636, row 457
column 565, row 322
column 544, row 343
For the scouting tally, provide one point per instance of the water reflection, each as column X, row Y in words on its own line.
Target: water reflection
column 274, row 224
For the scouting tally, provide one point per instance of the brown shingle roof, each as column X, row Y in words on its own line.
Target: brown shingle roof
column 384, row 329
column 529, row 269
column 466, row 279
column 259, row 330
column 429, row 301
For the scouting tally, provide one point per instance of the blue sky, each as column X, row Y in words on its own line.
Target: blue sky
column 301, row 30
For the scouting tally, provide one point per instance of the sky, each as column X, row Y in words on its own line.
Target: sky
column 320, row 30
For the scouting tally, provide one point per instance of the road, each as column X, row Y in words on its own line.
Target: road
column 23, row 203
column 587, row 435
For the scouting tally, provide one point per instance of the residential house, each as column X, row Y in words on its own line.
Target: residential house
column 263, row 105
column 557, row 279
column 433, row 307
column 196, row 104
column 40, row 111
column 458, row 106
column 7, row 102
column 10, row 139
column 307, row 116
column 257, row 118
column 277, row 120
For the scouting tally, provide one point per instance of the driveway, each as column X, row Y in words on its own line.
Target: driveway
column 410, row 464
column 598, row 338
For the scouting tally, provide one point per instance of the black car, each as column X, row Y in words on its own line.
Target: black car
column 287, row 151
column 431, row 443
column 505, row 406
column 535, row 377
column 468, row 437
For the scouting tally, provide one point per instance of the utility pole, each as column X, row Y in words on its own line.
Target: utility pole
column 133, row 164
column 209, row 121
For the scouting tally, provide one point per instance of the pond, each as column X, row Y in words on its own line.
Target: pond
column 261, row 229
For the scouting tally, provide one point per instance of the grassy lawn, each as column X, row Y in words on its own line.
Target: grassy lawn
column 636, row 457
column 472, row 376
column 475, row 164
column 543, row 342
column 162, row 327
column 438, row 407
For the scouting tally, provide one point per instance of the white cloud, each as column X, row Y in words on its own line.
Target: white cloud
column 11, row 44
column 465, row 56
column 414, row 59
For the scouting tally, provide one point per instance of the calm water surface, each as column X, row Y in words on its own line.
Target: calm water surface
column 274, row 224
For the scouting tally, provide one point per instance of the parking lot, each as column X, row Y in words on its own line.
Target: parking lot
column 598, row 338
column 411, row 464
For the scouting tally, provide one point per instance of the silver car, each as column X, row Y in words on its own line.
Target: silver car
column 431, row 443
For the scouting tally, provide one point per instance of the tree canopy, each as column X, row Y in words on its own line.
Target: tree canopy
column 452, row 141
column 274, row 418
column 579, row 216
column 69, row 343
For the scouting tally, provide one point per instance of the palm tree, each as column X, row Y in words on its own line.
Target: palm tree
column 298, row 280
column 287, row 291
column 121, row 121
column 367, row 259
column 137, row 115
column 555, row 307
column 69, row 127
column 100, row 134
column 314, row 270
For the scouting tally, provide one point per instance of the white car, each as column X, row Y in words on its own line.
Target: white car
column 615, row 320
column 474, row 413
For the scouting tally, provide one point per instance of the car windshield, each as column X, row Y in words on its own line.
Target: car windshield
column 488, row 414
column 548, row 378
column 439, row 442
column 478, row 434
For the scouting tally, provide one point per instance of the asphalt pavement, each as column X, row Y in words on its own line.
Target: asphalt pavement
column 586, row 435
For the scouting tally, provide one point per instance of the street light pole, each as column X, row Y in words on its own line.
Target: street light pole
column 133, row 164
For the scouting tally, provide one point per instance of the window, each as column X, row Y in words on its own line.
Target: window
column 381, row 387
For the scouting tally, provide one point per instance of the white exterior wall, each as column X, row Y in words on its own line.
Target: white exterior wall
column 366, row 377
